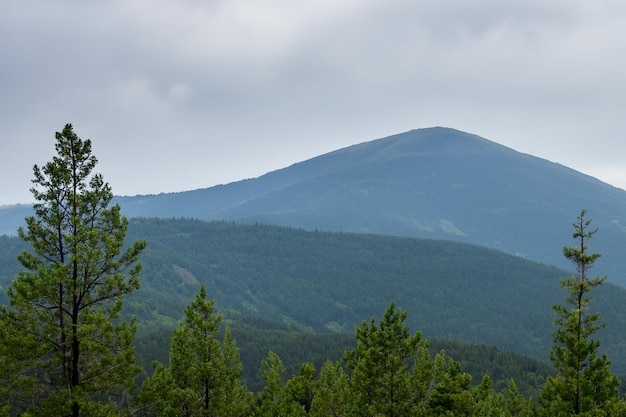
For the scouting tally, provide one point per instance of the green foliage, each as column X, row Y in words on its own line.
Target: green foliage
column 323, row 282
column 75, row 356
column 500, row 366
column 300, row 389
column 390, row 372
column 275, row 399
column 515, row 403
column 488, row 402
column 584, row 383
column 215, row 252
column 333, row 395
column 380, row 368
column 255, row 337
column 203, row 377
column 448, row 387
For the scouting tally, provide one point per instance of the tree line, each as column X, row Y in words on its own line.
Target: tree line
column 66, row 351
column 256, row 337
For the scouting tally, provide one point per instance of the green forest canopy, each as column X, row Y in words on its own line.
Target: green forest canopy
column 325, row 282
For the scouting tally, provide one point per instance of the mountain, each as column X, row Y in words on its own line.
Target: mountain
column 436, row 183
column 12, row 216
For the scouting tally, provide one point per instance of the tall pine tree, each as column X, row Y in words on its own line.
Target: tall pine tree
column 68, row 351
column 380, row 366
column 584, row 383
column 392, row 373
column 203, row 377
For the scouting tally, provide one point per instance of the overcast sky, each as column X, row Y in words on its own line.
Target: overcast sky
column 186, row 94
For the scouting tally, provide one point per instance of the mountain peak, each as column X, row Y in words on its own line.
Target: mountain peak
column 437, row 141
column 417, row 143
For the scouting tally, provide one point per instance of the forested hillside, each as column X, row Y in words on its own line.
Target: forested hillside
column 256, row 337
column 328, row 282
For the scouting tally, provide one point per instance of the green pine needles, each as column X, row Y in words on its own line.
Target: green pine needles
column 68, row 353
column 584, row 383
column 204, row 375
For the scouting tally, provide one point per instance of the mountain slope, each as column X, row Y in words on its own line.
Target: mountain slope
column 435, row 183
column 330, row 282
column 431, row 183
